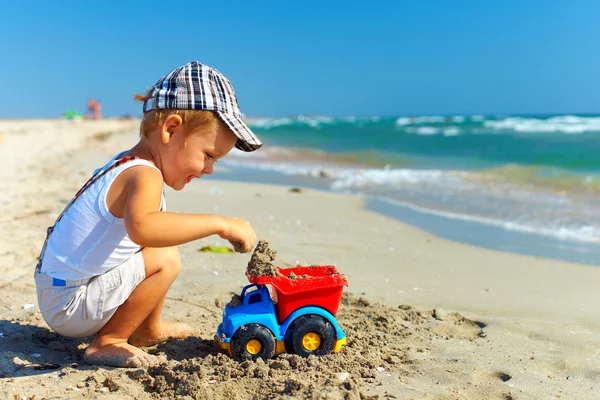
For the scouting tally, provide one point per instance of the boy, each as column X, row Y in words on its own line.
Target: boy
column 110, row 258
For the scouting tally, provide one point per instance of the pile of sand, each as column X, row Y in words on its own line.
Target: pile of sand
column 261, row 262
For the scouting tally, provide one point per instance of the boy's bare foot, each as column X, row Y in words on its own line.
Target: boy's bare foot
column 120, row 355
column 161, row 333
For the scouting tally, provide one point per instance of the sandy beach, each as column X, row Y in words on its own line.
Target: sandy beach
column 426, row 318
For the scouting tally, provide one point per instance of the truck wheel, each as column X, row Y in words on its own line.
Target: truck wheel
column 251, row 342
column 310, row 334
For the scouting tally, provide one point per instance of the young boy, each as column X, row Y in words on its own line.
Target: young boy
column 110, row 258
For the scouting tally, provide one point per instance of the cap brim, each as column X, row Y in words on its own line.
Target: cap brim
column 247, row 140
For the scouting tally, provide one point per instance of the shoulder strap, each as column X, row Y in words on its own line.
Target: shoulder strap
column 99, row 174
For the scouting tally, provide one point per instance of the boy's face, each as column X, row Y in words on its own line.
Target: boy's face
column 192, row 156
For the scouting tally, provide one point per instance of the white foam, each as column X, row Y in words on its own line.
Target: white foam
column 430, row 119
column 454, row 131
column 587, row 234
column 361, row 178
column 427, row 119
column 433, row 124
column 312, row 121
column 365, row 182
column 315, row 122
column 306, row 168
column 269, row 123
column 345, row 178
column 403, row 121
column 567, row 124
column 423, row 130
column 430, row 130
column 570, row 124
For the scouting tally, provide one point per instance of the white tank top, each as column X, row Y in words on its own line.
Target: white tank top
column 89, row 240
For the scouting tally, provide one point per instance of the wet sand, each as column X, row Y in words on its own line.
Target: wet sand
column 425, row 317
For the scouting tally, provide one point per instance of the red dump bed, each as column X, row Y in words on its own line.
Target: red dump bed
column 315, row 285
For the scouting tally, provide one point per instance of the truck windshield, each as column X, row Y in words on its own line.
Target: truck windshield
column 254, row 298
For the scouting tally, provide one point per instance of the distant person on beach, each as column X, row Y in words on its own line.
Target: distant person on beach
column 111, row 256
column 94, row 109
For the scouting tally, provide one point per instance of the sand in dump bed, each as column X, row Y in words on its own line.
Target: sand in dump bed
column 261, row 262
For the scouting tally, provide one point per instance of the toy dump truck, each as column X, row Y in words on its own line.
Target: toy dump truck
column 292, row 312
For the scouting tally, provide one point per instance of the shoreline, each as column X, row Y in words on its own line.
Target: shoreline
column 526, row 329
column 471, row 232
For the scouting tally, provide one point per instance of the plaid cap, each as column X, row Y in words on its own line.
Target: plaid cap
column 196, row 86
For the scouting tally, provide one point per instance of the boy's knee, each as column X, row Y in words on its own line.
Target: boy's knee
column 164, row 260
column 171, row 261
column 174, row 261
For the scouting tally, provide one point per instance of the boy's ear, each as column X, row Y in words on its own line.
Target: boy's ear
column 173, row 123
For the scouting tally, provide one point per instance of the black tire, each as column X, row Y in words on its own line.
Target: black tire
column 307, row 324
column 241, row 344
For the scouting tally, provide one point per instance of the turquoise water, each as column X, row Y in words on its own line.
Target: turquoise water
column 527, row 174
column 462, row 142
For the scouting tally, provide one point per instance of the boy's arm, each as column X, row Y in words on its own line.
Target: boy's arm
column 151, row 228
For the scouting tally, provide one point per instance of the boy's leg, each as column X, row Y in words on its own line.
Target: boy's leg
column 153, row 330
column 141, row 310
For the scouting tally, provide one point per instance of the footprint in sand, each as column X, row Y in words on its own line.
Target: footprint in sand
column 457, row 326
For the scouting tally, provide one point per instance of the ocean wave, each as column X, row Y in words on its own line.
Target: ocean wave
column 268, row 123
column 344, row 177
column 510, row 203
column 554, row 179
column 432, row 119
column 430, row 130
column 566, row 124
column 295, row 168
column 423, row 130
column 451, row 131
column 364, row 168
column 515, row 198
column 312, row 121
column 437, row 124
column 359, row 179
column 307, row 155
column 586, row 234
column 428, row 119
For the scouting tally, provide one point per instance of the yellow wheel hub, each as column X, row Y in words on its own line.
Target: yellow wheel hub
column 253, row 346
column 311, row 341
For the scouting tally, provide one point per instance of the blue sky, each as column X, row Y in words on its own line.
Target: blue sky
column 307, row 57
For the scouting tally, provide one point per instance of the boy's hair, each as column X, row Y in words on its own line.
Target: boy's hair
column 192, row 119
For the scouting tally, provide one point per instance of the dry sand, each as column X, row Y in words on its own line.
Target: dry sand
column 426, row 318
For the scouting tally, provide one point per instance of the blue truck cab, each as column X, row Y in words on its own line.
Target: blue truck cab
column 251, row 330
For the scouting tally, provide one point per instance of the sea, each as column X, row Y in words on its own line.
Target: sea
column 527, row 184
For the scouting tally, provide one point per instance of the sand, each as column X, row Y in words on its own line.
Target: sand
column 426, row 318
column 261, row 261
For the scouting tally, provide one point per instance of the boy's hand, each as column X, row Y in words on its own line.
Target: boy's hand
column 237, row 247
column 240, row 234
